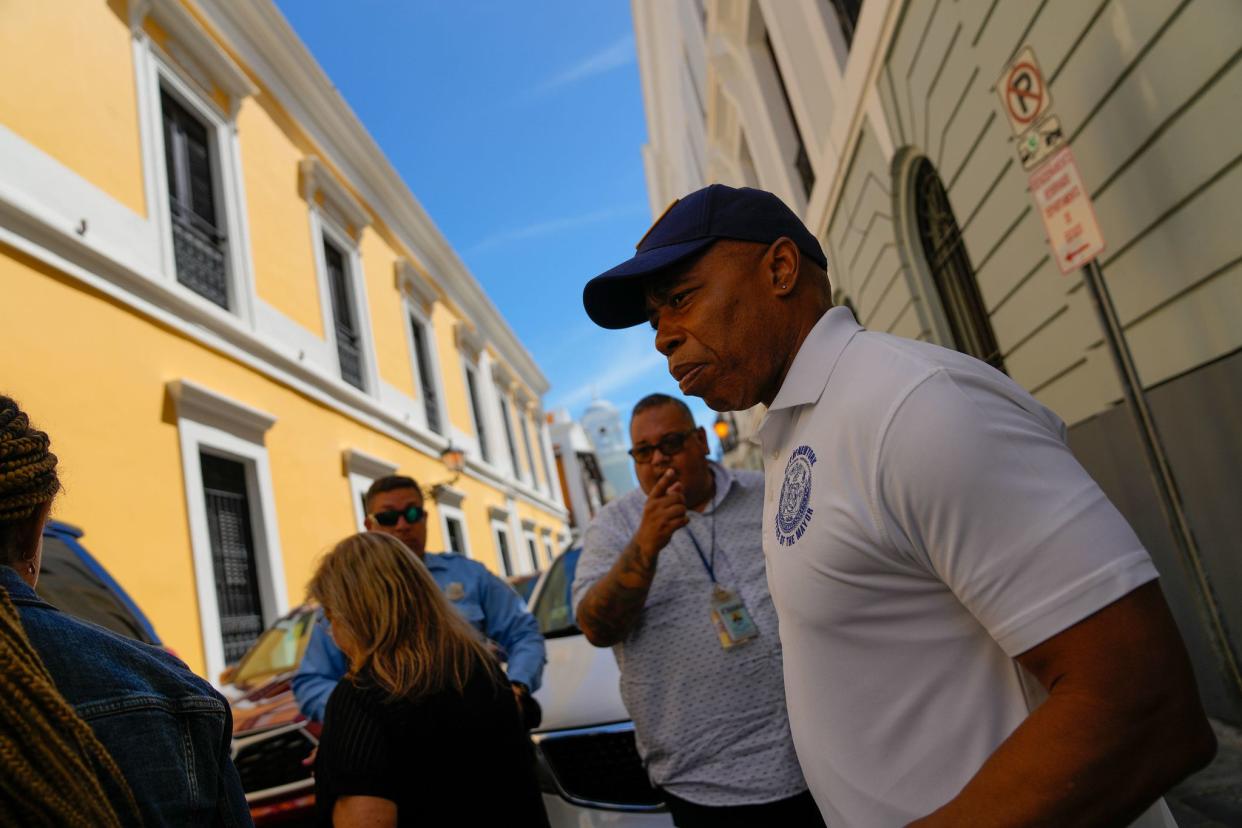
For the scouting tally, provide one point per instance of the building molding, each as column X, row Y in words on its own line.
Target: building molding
column 416, row 287
column 355, row 461
column 446, row 495
column 316, row 182
column 202, row 50
column 468, row 340
column 199, row 403
column 498, row 513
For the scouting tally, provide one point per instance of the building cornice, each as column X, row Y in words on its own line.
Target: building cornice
column 269, row 47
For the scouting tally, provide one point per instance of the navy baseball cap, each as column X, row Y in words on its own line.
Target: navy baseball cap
column 615, row 298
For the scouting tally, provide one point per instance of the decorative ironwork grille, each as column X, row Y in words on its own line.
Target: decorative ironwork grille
column 198, row 243
column 348, row 339
column 232, row 554
column 951, row 271
column 476, row 411
column 426, row 379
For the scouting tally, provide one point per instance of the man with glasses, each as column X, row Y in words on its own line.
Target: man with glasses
column 394, row 506
column 671, row 577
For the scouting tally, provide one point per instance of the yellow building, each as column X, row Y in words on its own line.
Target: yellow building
column 220, row 300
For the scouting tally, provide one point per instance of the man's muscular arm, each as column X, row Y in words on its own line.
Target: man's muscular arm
column 612, row 605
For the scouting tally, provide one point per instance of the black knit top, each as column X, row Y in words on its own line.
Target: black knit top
column 446, row 759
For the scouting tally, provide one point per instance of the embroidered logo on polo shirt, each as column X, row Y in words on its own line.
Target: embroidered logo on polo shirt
column 794, row 511
column 455, row 591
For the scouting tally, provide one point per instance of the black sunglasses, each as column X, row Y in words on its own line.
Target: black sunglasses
column 412, row 514
column 668, row 445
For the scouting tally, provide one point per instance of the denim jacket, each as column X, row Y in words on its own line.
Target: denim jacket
column 167, row 729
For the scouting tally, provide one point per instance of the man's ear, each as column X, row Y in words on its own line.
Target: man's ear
column 781, row 265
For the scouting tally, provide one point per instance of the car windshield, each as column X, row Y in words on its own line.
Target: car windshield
column 553, row 609
column 278, row 650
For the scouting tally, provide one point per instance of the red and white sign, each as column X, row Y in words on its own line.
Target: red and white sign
column 1023, row 92
column 1068, row 216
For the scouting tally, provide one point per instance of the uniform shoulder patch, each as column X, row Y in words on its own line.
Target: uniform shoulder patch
column 793, row 512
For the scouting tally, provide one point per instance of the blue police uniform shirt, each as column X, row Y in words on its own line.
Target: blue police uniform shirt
column 482, row 598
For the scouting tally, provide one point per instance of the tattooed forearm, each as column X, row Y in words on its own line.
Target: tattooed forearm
column 610, row 607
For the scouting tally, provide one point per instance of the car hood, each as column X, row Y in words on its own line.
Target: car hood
column 264, row 706
column 580, row 685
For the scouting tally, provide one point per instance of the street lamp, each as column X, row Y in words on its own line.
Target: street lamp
column 454, row 459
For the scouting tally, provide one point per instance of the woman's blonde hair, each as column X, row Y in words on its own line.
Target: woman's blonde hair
column 410, row 640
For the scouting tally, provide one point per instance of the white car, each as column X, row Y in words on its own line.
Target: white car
column 588, row 766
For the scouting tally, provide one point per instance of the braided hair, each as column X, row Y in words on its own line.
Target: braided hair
column 28, row 478
column 52, row 759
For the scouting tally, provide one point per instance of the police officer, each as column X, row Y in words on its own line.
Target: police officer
column 394, row 506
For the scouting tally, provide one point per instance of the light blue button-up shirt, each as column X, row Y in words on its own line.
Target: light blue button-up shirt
column 486, row 602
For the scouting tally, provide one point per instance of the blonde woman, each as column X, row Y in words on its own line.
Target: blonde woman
column 423, row 729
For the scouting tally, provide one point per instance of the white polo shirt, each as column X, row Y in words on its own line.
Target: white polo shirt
column 924, row 522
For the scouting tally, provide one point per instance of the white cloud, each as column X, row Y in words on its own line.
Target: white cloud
column 621, row 363
column 611, row 57
column 551, row 227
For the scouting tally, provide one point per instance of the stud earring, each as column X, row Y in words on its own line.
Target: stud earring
column 30, row 568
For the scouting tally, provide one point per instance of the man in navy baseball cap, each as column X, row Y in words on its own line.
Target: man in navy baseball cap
column 729, row 279
column 691, row 225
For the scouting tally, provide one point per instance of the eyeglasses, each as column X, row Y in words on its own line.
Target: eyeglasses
column 412, row 514
column 668, row 445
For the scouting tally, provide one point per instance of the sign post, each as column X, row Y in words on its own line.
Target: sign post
column 1076, row 241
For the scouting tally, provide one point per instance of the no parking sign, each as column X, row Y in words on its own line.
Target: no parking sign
column 1023, row 91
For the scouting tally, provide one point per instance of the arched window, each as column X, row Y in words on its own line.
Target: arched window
column 950, row 267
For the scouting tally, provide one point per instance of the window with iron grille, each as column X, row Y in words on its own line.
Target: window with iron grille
column 456, row 536
column 476, row 411
column 426, row 379
column 198, row 241
column 344, row 315
column 502, row 547
column 508, row 424
column 847, row 16
column 802, row 161
column 232, row 554
column 951, row 271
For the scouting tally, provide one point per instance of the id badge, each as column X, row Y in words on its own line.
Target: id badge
column 731, row 618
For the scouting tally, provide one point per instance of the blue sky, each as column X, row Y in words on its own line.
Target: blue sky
column 519, row 127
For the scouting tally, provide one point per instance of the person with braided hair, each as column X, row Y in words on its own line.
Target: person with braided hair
column 52, row 759
column 160, row 736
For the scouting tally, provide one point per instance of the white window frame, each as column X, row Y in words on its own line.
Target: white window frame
column 418, row 298
column 197, row 64
column 211, row 422
column 448, row 504
column 336, row 217
column 361, row 470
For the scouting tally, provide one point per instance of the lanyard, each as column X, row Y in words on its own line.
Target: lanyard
column 708, row 565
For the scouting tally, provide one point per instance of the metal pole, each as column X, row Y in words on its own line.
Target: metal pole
column 1158, row 464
